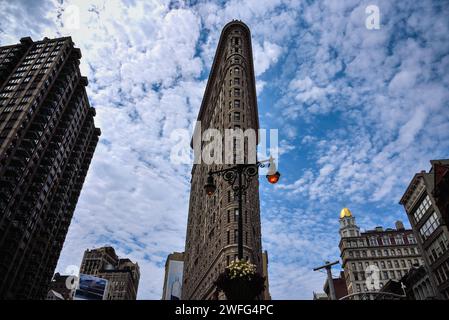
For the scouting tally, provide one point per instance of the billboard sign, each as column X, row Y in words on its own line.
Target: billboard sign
column 91, row 288
column 174, row 280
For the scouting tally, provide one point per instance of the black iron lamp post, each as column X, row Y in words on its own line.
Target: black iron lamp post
column 239, row 177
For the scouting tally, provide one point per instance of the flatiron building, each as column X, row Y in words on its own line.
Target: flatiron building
column 47, row 140
column 229, row 102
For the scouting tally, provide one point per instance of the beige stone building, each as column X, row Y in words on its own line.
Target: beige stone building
column 122, row 274
column 229, row 102
column 391, row 251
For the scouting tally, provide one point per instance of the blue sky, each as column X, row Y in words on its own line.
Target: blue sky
column 358, row 111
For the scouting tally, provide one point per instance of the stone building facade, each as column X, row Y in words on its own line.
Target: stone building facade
column 122, row 274
column 425, row 202
column 47, row 140
column 391, row 251
column 229, row 102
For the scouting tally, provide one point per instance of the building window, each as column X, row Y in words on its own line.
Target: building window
column 228, row 234
column 373, row 241
column 422, row 208
column 236, row 116
column 429, row 226
column 411, row 239
column 386, row 241
column 438, row 247
column 236, row 103
column 399, row 239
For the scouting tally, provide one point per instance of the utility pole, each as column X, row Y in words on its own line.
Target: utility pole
column 328, row 266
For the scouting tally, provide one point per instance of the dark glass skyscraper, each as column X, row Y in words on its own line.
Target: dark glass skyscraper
column 47, row 140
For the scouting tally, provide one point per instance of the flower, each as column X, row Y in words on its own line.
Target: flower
column 240, row 281
column 241, row 269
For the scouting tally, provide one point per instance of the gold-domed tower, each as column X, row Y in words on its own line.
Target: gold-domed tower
column 348, row 228
column 345, row 212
